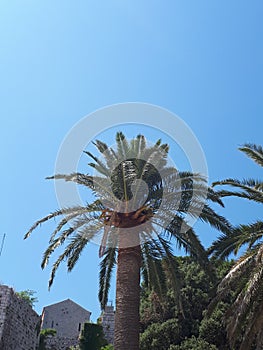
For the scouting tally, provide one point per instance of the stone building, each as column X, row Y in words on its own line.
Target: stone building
column 19, row 323
column 107, row 321
column 67, row 318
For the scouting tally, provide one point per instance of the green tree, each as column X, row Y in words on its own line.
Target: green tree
column 159, row 336
column 197, row 288
column 91, row 337
column 28, row 296
column 245, row 316
column 193, row 344
column 138, row 227
column 212, row 328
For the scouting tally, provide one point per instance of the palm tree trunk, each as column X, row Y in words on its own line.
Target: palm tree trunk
column 127, row 318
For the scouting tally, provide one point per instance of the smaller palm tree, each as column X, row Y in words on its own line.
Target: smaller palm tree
column 245, row 317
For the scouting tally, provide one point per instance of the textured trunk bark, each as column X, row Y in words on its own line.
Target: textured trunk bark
column 126, row 333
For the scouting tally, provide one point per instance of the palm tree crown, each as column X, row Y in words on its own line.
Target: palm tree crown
column 245, row 317
column 140, row 208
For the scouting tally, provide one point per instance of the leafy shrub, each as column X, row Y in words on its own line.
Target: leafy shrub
column 159, row 336
column 193, row 344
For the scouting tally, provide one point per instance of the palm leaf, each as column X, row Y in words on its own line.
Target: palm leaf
column 255, row 152
column 106, row 268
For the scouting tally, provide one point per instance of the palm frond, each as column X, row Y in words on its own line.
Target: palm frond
column 106, row 268
column 248, row 189
column 123, row 147
column 108, row 154
column 254, row 330
column 99, row 166
column 255, row 152
column 243, row 310
column 78, row 178
column 153, row 268
column 74, row 249
column 231, row 242
column 75, row 226
column 55, row 244
column 187, row 239
column 74, row 211
column 173, row 272
column 215, row 220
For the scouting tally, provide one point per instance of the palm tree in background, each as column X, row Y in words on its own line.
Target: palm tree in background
column 137, row 224
column 245, row 317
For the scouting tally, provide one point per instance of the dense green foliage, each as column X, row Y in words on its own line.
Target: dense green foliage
column 91, row 337
column 193, row 344
column 165, row 322
column 158, row 336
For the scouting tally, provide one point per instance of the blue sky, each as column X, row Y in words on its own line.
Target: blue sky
column 60, row 61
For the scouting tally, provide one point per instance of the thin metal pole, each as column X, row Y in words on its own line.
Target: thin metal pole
column 2, row 245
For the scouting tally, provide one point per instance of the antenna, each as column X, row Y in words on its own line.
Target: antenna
column 2, row 244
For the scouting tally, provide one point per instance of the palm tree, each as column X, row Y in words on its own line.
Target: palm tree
column 137, row 225
column 245, row 316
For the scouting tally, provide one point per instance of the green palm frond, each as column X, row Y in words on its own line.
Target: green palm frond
column 75, row 226
column 141, row 145
column 255, row 152
column 78, row 178
column 245, row 279
column 79, row 243
column 54, row 245
column 252, row 195
column 214, row 196
column 123, row 147
column 254, row 331
column 241, row 268
column 72, row 251
column 172, row 269
column 155, row 253
column 244, row 310
column 242, row 235
column 100, row 186
column 254, row 183
column 186, row 238
column 77, row 210
column 153, row 268
column 61, row 224
column 106, row 268
column 99, row 166
column 215, row 220
column 249, row 189
column 108, row 154
column 158, row 265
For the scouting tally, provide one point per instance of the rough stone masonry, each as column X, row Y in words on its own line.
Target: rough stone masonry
column 19, row 323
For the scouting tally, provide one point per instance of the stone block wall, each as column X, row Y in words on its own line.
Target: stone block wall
column 107, row 321
column 19, row 323
column 60, row 343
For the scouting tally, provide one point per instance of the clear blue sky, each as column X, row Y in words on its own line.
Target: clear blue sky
column 61, row 60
